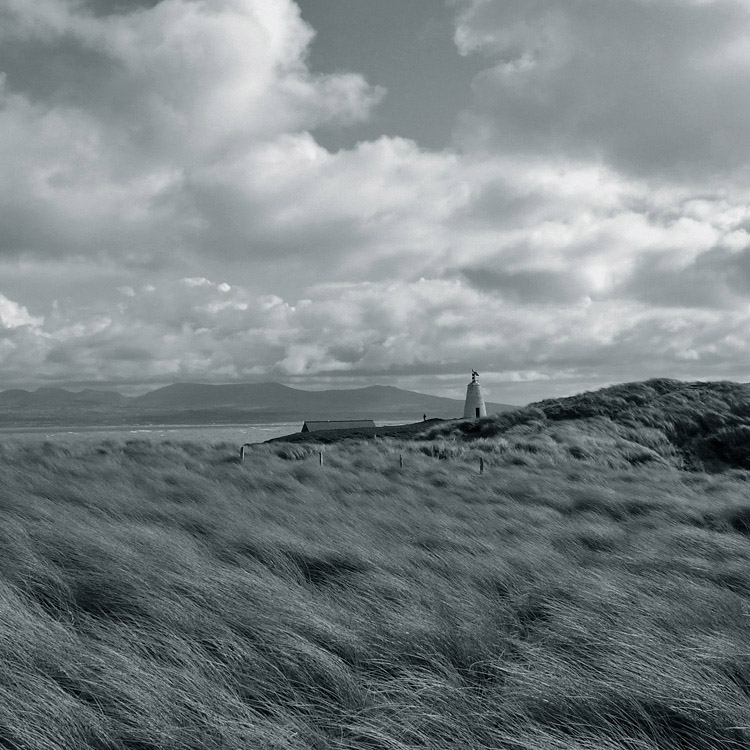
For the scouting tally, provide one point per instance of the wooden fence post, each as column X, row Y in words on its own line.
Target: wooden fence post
column 481, row 465
column 401, row 460
column 320, row 457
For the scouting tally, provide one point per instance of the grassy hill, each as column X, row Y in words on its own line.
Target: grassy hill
column 703, row 426
column 164, row 596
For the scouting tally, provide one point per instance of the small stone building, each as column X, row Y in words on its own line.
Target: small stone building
column 333, row 424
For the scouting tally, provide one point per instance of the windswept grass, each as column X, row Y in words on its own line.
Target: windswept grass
column 169, row 596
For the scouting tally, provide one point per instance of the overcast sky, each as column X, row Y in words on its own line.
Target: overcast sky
column 332, row 193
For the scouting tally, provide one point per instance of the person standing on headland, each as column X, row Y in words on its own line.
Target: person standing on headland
column 424, row 417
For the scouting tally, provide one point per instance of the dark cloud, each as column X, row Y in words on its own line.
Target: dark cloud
column 500, row 202
column 659, row 87
column 61, row 72
column 534, row 286
column 717, row 279
column 112, row 7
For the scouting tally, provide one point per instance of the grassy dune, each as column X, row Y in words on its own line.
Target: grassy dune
column 169, row 596
column 696, row 426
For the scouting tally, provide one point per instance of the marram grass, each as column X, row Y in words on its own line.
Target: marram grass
column 167, row 596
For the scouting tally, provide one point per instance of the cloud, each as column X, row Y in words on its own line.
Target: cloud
column 101, row 160
column 167, row 214
column 377, row 209
column 418, row 331
column 186, row 75
column 13, row 315
column 652, row 88
column 584, row 270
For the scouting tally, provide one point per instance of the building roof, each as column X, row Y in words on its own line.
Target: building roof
column 321, row 425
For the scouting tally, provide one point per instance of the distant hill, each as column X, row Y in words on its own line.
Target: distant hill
column 280, row 399
column 704, row 426
column 56, row 397
column 197, row 403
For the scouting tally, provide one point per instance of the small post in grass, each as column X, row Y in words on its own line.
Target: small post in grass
column 320, row 457
column 401, row 460
column 481, row 465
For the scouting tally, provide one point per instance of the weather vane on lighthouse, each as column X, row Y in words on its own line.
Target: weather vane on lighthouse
column 474, row 407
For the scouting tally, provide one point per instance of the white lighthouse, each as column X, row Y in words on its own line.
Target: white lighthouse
column 474, row 406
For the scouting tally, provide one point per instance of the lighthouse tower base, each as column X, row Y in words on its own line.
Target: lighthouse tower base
column 474, row 407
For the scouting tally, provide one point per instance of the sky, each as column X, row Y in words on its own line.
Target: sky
column 336, row 193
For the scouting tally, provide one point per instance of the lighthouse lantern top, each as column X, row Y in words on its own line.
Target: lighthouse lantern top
column 474, row 376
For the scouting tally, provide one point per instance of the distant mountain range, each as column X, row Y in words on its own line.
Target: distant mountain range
column 201, row 403
column 55, row 397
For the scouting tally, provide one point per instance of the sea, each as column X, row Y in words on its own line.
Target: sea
column 200, row 433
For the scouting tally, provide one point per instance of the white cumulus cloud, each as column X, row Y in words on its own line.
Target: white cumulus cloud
column 13, row 315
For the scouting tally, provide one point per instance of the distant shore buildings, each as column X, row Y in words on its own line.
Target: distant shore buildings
column 474, row 407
